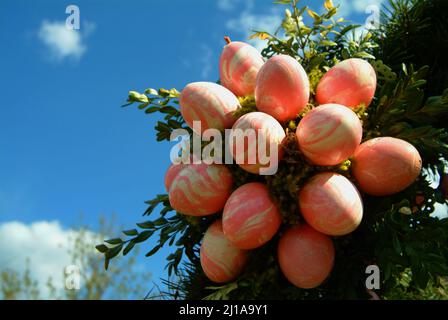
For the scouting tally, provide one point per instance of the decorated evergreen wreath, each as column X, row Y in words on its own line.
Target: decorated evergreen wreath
column 360, row 144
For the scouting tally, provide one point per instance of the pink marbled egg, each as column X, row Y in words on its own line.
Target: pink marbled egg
column 282, row 88
column 329, row 134
column 350, row 83
column 171, row 173
column 238, row 67
column 331, row 204
column 201, row 189
column 220, row 259
column 266, row 130
column 386, row 165
column 306, row 256
column 210, row 103
column 250, row 217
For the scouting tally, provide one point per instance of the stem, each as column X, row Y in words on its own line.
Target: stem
column 227, row 40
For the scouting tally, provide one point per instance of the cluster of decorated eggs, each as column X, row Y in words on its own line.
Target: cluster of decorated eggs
column 329, row 134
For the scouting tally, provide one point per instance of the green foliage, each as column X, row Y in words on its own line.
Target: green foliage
column 398, row 233
column 415, row 31
column 15, row 286
column 163, row 101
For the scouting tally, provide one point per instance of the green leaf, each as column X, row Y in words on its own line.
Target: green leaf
column 143, row 236
column 101, row 248
column 131, row 232
column 363, row 55
column 146, row 225
column 113, row 252
column 114, row 241
column 151, row 91
column 135, row 96
column 153, row 251
column 327, row 43
column 152, row 109
column 128, row 248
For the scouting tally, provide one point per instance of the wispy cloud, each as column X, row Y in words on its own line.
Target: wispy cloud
column 349, row 7
column 226, row 5
column 248, row 21
column 207, row 60
column 62, row 42
column 45, row 244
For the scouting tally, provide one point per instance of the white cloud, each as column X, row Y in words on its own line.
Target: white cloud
column 349, row 7
column 226, row 5
column 249, row 21
column 45, row 244
column 206, row 60
column 63, row 42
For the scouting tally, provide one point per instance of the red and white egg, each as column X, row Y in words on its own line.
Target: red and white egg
column 351, row 82
column 250, row 217
column 306, row 256
column 282, row 89
column 268, row 135
column 210, row 103
column 331, row 204
column 201, row 189
column 238, row 67
column 220, row 259
column 329, row 134
column 386, row 165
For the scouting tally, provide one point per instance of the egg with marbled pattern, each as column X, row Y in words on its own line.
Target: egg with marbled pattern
column 220, row 259
column 209, row 103
column 250, row 217
column 351, row 82
column 201, row 189
column 384, row 166
column 329, row 134
column 331, row 204
column 306, row 256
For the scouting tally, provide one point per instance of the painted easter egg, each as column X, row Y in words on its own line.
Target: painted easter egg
column 350, row 82
column 306, row 256
column 282, row 88
column 209, row 103
column 331, row 204
column 200, row 189
column 386, row 165
column 220, row 259
column 329, row 134
column 238, row 67
column 171, row 173
column 255, row 142
column 250, row 217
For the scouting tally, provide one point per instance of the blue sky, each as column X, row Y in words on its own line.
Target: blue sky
column 66, row 147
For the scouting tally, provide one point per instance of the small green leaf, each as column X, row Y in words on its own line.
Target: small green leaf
column 363, row 55
column 143, row 236
column 101, row 248
column 152, row 109
column 128, row 248
column 132, row 232
column 114, row 241
column 151, row 91
column 153, row 251
column 146, row 225
column 327, row 43
column 113, row 251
